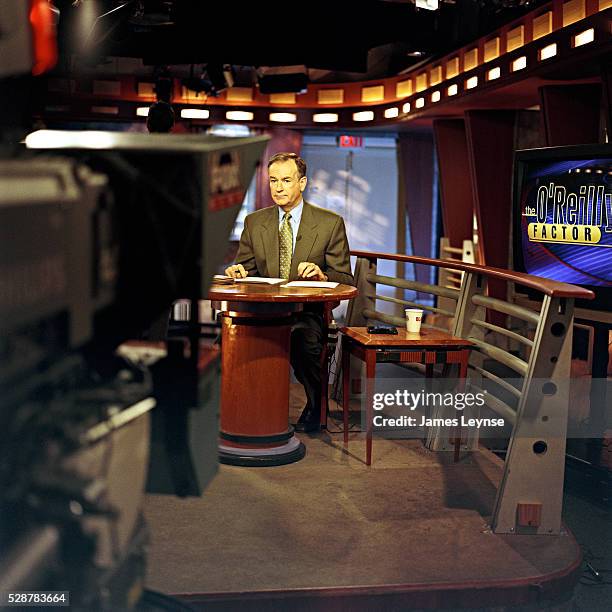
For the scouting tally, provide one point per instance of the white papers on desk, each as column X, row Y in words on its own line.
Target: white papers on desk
column 316, row 284
column 260, row 279
column 221, row 279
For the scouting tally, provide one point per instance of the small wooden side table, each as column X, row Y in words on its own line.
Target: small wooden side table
column 429, row 347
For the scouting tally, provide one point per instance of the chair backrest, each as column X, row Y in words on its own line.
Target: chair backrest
column 522, row 358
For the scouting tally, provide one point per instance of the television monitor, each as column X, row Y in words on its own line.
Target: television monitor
column 563, row 217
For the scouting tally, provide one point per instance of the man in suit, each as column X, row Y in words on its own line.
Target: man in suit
column 296, row 240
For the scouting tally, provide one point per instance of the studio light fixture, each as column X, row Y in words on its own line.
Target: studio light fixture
column 363, row 116
column 60, row 139
column 325, row 117
column 548, row 51
column 283, row 117
column 428, row 5
column 195, row 113
column 584, row 38
column 239, row 115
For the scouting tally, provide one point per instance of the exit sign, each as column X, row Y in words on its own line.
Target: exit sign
column 350, row 142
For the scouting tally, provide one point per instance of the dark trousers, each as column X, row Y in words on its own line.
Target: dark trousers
column 306, row 346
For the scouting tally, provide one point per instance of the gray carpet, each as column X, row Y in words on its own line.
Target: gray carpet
column 330, row 521
column 591, row 523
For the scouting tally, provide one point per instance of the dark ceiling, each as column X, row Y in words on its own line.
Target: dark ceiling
column 337, row 40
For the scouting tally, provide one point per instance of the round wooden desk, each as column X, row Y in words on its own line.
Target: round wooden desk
column 256, row 330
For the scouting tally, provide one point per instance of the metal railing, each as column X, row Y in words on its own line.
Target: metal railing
column 510, row 362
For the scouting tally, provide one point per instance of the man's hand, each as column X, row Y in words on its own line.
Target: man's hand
column 236, row 271
column 310, row 271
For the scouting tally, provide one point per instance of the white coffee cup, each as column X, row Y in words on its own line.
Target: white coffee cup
column 413, row 320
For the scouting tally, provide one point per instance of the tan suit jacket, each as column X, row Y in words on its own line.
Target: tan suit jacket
column 321, row 239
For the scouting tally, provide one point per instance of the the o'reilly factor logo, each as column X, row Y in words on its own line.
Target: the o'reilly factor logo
column 573, row 218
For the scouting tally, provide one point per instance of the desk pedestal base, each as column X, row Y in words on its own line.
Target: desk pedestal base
column 255, row 386
column 289, row 452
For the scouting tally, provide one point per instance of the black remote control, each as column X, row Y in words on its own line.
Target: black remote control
column 382, row 329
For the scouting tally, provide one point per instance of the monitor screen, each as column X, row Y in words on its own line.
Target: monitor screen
column 563, row 217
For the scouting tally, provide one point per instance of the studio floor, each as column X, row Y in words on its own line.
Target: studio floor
column 330, row 533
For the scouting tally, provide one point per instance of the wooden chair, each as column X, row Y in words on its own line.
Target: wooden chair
column 330, row 336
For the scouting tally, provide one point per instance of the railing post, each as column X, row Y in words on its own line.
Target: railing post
column 530, row 496
column 471, row 285
column 444, row 276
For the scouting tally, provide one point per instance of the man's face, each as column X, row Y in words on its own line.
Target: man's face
column 286, row 186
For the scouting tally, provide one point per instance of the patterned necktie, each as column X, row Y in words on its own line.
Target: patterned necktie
column 286, row 246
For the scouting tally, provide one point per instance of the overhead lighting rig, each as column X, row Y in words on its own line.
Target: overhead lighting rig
column 213, row 79
column 283, row 79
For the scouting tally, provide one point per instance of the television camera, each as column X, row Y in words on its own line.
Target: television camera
column 100, row 233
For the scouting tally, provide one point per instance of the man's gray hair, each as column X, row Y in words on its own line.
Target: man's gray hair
column 283, row 157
